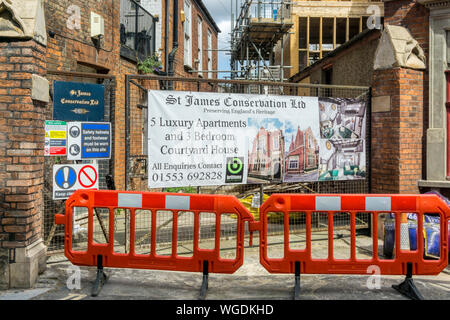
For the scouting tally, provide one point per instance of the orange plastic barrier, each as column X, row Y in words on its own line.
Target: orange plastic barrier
column 103, row 255
column 353, row 204
column 405, row 262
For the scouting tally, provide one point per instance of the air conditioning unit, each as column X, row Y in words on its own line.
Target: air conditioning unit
column 97, row 25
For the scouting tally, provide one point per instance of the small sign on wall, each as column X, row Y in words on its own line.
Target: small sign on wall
column 55, row 138
column 68, row 178
column 75, row 101
column 381, row 104
column 88, row 140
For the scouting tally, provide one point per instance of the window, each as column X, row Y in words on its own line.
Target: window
column 210, row 63
column 276, row 143
column 137, row 31
column 262, row 144
column 187, row 34
column 311, row 160
column 200, row 45
column 310, row 142
column 293, row 163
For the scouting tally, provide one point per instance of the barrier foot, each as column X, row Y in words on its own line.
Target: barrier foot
column 101, row 278
column 297, row 281
column 204, row 288
column 408, row 287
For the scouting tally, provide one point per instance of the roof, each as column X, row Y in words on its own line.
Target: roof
column 207, row 15
column 361, row 36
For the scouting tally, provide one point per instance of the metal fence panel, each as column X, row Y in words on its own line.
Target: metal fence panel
column 136, row 133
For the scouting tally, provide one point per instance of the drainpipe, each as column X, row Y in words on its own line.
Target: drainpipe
column 174, row 42
column 166, row 38
column 447, row 108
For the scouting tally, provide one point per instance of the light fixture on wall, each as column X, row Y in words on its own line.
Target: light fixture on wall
column 97, row 29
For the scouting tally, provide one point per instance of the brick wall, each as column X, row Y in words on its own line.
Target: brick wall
column 412, row 15
column 71, row 49
column 71, row 46
column 415, row 17
column 397, row 135
column 21, row 144
column 179, row 59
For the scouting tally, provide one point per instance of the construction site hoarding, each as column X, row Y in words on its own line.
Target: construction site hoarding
column 201, row 139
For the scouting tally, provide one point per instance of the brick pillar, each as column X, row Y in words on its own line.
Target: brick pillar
column 23, row 100
column 397, row 130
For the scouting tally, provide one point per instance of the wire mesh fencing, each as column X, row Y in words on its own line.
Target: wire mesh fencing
column 54, row 235
column 136, row 175
column 128, row 166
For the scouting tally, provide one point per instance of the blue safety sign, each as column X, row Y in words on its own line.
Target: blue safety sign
column 66, row 177
column 88, row 140
column 95, row 140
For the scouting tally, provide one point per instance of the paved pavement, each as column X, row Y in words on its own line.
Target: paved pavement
column 251, row 282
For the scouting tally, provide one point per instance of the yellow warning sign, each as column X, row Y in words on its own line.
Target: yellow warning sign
column 58, row 135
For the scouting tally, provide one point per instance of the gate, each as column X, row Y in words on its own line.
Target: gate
column 54, row 235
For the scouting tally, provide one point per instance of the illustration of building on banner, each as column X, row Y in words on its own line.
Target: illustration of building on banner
column 343, row 134
column 302, row 157
column 266, row 155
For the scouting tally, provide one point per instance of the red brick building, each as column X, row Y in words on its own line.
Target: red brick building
column 92, row 41
column 266, row 155
column 197, row 39
column 303, row 154
column 295, row 158
column 311, row 151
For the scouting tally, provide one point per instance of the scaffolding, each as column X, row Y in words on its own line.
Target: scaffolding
column 259, row 26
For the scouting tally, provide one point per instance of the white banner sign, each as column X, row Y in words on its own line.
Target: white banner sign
column 200, row 139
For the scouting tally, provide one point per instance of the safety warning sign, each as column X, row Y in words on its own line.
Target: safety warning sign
column 87, row 177
column 55, row 138
column 68, row 178
column 89, row 140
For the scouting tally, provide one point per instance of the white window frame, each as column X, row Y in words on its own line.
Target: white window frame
column 294, row 162
column 210, row 64
column 200, row 44
column 188, row 33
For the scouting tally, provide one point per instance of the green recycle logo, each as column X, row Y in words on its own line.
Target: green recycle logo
column 235, row 166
